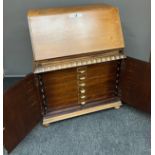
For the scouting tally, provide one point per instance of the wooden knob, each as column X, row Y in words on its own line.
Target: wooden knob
column 82, row 71
column 82, row 78
column 82, row 91
column 82, row 103
column 82, row 84
column 82, row 97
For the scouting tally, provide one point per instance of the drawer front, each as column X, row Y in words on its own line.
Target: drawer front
column 60, row 88
column 99, row 82
column 79, row 86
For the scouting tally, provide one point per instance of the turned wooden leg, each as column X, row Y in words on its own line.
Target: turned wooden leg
column 46, row 125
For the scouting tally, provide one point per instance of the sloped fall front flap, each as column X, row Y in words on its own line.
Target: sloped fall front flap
column 68, row 31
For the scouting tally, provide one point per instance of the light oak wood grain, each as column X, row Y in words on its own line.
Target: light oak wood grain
column 115, row 105
column 60, row 32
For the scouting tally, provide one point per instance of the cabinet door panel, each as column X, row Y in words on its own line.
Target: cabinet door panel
column 22, row 111
column 135, row 84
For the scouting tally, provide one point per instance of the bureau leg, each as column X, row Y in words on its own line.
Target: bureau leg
column 46, row 125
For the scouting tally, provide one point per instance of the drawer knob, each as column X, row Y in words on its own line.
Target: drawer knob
column 82, row 78
column 82, row 84
column 82, row 90
column 82, row 71
column 82, row 103
column 82, row 97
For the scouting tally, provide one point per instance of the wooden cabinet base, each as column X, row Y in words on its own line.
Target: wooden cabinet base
column 54, row 118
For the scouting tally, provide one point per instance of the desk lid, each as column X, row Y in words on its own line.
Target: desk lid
column 59, row 32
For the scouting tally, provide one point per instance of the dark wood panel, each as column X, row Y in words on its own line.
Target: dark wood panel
column 136, row 84
column 61, row 88
column 58, row 86
column 79, row 107
column 60, row 100
column 100, row 69
column 100, row 96
column 60, row 74
column 59, row 91
column 22, row 111
column 100, row 89
column 55, row 104
column 101, row 81
column 100, row 84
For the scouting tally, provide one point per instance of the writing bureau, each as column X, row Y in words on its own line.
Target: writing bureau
column 79, row 67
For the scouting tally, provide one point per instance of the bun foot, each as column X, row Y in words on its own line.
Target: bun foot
column 46, row 125
column 117, row 107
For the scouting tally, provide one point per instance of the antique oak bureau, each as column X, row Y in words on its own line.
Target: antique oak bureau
column 78, row 68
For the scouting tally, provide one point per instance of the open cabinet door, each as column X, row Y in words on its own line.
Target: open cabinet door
column 135, row 84
column 22, row 111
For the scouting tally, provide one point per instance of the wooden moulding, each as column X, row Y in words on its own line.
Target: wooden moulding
column 46, row 66
column 55, row 118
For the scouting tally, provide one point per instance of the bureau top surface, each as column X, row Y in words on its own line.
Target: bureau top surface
column 60, row 32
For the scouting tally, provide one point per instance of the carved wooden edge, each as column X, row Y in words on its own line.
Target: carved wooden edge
column 52, row 119
column 46, row 67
